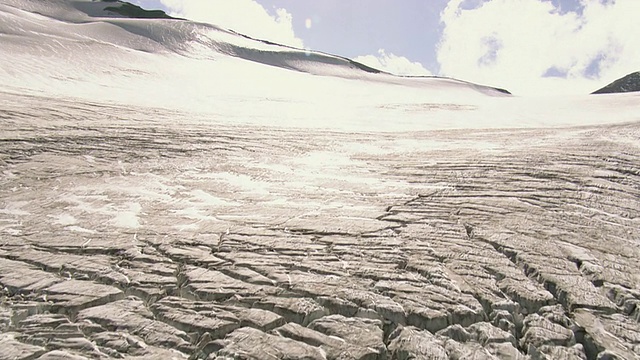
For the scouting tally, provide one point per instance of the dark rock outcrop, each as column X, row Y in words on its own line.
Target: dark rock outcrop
column 629, row 83
column 134, row 11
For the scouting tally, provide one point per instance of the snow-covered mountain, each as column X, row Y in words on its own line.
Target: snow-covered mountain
column 110, row 51
column 117, row 23
column 628, row 83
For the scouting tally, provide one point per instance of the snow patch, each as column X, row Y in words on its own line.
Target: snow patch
column 64, row 219
column 80, row 229
column 128, row 217
column 207, row 199
column 15, row 208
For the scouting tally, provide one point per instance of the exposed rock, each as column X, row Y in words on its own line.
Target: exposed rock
column 627, row 83
column 133, row 11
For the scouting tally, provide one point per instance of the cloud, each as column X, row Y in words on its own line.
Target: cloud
column 534, row 47
column 393, row 64
column 243, row 16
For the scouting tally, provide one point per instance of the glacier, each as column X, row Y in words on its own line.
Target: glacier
column 172, row 189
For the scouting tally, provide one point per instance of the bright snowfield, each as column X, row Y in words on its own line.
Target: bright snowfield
column 172, row 190
column 60, row 48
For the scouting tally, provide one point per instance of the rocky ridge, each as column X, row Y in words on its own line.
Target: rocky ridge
column 629, row 83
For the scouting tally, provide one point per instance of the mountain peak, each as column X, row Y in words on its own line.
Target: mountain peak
column 628, row 83
column 133, row 11
column 117, row 8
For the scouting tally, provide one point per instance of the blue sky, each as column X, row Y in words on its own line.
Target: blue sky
column 356, row 28
column 528, row 46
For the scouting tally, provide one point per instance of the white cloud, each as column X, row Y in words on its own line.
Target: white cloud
column 531, row 47
column 243, row 16
column 393, row 64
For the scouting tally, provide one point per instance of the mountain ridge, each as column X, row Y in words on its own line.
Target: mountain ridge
column 78, row 50
column 627, row 83
column 132, row 11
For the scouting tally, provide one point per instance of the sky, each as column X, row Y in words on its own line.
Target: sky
column 530, row 47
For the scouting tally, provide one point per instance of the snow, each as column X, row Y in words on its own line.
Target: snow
column 119, row 133
column 15, row 208
column 185, row 73
column 64, row 219
column 71, row 49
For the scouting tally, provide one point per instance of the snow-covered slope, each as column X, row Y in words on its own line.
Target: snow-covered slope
column 81, row 49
